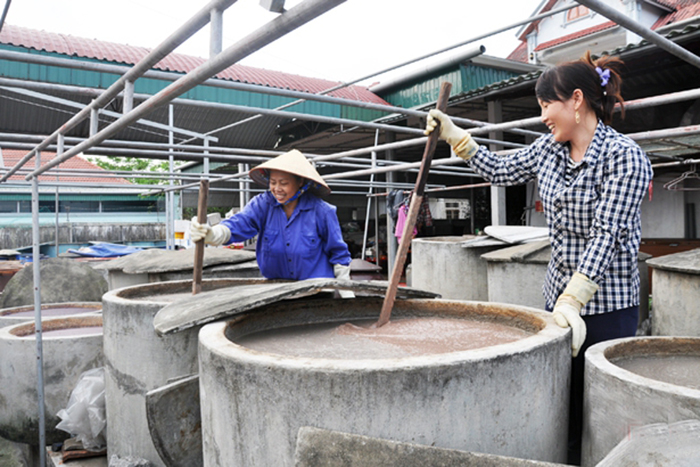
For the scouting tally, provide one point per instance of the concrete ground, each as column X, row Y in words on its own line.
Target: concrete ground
column 13, row 454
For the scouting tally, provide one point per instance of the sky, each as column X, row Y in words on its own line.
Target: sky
column 351, row 41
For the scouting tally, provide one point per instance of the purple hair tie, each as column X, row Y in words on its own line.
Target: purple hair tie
column 604, row 76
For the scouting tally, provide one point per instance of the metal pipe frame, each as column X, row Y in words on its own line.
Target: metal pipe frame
column 199, row 20
column 283, row 24
column 108, row 113
column 631, row 105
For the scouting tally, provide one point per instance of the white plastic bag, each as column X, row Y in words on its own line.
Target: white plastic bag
column 84, row 417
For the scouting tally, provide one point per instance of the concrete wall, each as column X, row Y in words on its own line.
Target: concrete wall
column 18, row 237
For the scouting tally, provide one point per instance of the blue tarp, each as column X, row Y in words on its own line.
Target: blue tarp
column 105, row 250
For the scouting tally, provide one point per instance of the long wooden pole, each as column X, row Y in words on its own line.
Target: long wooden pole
column 414, row 207
column 199, row 246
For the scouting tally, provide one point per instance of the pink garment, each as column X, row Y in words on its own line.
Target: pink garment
column 401, row 222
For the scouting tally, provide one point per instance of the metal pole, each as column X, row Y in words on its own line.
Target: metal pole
column 369, row 199
column 4, row 13
column 283, row 24
column 632, row 25
column 58, row 227
column 36, row 240
column 169, row 196
column 216, row 27
column 128, row 97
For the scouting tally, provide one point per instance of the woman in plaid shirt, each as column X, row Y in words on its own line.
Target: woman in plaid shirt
column 591, row 181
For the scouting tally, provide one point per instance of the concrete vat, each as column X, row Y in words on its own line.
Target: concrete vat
column 676, row 295
column 442, row 265
column 138, row 360
column 634, row 382
column 25, row 313
column 71, row 346
column 509, row 399
column 516, row 275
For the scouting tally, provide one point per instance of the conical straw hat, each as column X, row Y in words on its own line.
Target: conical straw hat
column 292, row 162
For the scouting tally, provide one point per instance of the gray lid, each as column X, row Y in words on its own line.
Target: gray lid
column 227, row 302
column 155, row 260
column 535, row 252
column 686, row 261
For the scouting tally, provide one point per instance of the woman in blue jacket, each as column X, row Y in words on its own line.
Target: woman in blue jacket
column 299, row 235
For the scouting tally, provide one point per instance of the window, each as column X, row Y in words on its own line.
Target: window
column 8, row 206
column 44, row 206
column 79, row 206
column 577, row 13
column 132, row 206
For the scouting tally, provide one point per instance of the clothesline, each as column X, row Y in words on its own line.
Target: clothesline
column 434, row 190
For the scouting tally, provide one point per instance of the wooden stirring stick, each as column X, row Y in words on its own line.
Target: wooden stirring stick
column 199, row 246
column 413, row 209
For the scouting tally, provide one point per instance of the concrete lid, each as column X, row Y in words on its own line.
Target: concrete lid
column 155, row 260
column 513, row 234
column 360, row 265
column 685, row 261
column 676, row 443
column 226, row 302
column 317, row 446
column 538, row 252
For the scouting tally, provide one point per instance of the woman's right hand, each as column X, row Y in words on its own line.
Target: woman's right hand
column 461, row 141
column 217, row 235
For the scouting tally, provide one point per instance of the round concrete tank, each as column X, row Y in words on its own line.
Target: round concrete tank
column 516, row 275
column 509, row 398
column 71, row 346
column 676, row 282
column 634, row 382
column 25, row 313
column 442, row 265
column 139, row 360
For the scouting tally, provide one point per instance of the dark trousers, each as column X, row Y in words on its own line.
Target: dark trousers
column 603, row 327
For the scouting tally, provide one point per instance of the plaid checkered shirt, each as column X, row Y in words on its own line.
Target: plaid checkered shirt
column 592, row 209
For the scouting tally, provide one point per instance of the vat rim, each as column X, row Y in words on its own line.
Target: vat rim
column 212, row 337
column 595, row 356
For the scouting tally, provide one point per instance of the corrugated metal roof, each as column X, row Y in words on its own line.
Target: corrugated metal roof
column 10, row 157
column 66, row 44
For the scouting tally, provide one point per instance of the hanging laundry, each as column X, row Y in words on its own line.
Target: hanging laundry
column 401, row 222
column 394, row 200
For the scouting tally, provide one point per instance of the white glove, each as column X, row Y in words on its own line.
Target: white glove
column 217, row 235
column 461, row 141
column 342, row 273
column 567, row 311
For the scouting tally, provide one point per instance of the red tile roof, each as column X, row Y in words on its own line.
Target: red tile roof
column 684, row 9
column 576, row 35
column 10, row 157
column 519, row 54
column 121, row 53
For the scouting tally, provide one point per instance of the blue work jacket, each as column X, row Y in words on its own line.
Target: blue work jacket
column 305, row 246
